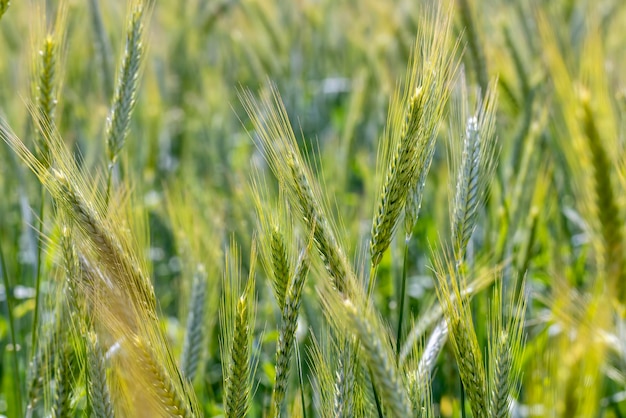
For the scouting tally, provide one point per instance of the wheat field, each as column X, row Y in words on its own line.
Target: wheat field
column 316, row 208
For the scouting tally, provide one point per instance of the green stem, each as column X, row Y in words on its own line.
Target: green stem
column 370, row 284
column 16, row 371
column 107, row 196
column 300, row 379
column 462, row 401
column 42, row 207
column 405, row 266
column 379, row 407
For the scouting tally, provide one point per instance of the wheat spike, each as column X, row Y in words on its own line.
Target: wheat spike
column 195, row 330
column 97, row 385
column 287, row 333
column 237, row 318
column 462, row 334
column 405, row 155
column 278, row 142
column 473, row 164
column 128, row 81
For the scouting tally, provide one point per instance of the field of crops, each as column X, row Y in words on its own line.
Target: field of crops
column 313, row 208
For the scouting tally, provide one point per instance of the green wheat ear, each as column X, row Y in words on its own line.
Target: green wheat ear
column 237, row 318
column 275, row 232
column 128, row 81
column 278, row 142
column 473, row 152
column 287, row 332
column 405, row 155
column 195, row 329
column 356, row 317
column 506, row 341
column 461, row 332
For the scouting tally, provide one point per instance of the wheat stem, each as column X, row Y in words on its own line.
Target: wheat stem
column 8, row 289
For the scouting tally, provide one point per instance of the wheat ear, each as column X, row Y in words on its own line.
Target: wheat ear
column 462, row 333
column 97, row 385
column 128, row 80
column 103, row 46
column 237, row 319
column 356, row 317
column 287, row 333
column 195, row 330
column 473, row 164
column 607, row 207
column 505, row 350
column 408, row 144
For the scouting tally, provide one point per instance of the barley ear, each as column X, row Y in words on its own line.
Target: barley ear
column 102, row 46
column 607, row 206
column 47, row 80
column 162, row 386
column 61, row 406
column 404, row 158
column 275, row 227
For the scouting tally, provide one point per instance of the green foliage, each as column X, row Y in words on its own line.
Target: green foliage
column 171, row 142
